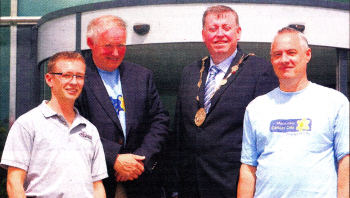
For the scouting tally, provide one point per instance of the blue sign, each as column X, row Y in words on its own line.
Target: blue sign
column 291, row 125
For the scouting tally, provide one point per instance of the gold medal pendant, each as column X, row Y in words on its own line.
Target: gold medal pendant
column 223, row 82
column 200, row 117
column 234, row 69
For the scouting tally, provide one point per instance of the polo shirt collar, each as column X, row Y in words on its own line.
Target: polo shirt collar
column 48, row 112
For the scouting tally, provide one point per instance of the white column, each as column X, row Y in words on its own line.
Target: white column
column 13, row 65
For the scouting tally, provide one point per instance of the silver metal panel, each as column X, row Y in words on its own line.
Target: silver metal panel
column 56, row 35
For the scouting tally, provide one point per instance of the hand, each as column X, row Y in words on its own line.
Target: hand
column 128, row 167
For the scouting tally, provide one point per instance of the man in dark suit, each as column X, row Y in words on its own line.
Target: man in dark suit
column 121, row 100
column 211, row 104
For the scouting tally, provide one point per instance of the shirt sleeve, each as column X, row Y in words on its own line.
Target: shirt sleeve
column 99, row 167
column 249, row 150
column 341, row 132
column 17, row 150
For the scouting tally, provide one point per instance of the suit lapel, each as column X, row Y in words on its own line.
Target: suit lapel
column 222, row 89
column 94, row 83
column 128, row 81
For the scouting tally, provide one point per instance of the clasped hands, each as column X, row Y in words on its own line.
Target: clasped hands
column 128, row 167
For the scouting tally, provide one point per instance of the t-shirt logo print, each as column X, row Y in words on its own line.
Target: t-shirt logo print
column 118, row 103
column 303, row 125
column 291, row 125
column 85, row 135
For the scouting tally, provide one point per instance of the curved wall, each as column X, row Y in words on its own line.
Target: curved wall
column 178, row 23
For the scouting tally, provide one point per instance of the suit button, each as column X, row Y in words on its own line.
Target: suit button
column 154, row 165
column 120, row 142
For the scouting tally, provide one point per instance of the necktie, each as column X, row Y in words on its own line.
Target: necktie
column 210, row 87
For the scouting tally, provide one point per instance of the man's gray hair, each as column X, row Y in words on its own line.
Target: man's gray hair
column 301, row 35
column 102, row 23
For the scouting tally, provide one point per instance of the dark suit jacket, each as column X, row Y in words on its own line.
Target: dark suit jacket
column 146, row 121
column 210, row 154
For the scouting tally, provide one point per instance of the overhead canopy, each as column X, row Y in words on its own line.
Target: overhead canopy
column 179, row 23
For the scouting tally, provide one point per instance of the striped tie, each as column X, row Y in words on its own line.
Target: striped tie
column 210, row 87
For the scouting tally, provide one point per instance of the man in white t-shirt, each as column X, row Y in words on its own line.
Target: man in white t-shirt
column 52, row 151
column 296, row 137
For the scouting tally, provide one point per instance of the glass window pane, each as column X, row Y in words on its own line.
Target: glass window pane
column 41, row 8
column 4, row 96
column 45, row 92
column 4, row 74
column 5, row 7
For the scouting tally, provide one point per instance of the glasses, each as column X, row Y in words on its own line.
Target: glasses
column 69, row 76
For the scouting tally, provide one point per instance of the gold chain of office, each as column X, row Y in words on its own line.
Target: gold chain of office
column 201, row 114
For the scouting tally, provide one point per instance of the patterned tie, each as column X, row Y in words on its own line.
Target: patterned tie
column 210, row 87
